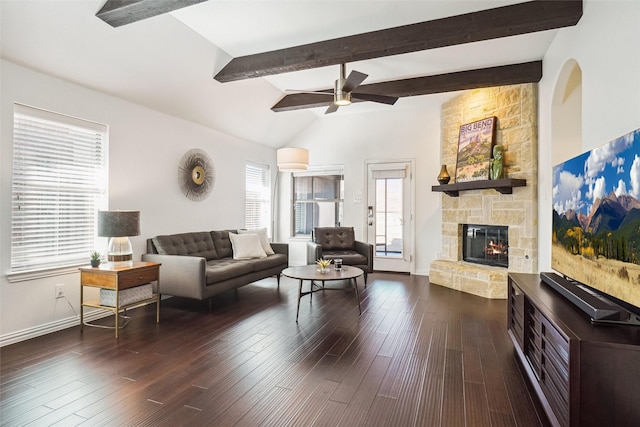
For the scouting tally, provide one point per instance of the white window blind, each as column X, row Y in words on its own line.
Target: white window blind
column 59, row 183
column 388, row 171
column 257, row 197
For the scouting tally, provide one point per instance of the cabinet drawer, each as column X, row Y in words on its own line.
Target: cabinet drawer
column 517, row 330
column 137, row 277
column 559, row 407
column 554, row 375
column 560, row 365
column 557, row 341
column 517, row 299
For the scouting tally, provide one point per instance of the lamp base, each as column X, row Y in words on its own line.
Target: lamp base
column 120, row 251
column 118, row 257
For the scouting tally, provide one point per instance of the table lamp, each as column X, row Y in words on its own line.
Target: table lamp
column 118, row 226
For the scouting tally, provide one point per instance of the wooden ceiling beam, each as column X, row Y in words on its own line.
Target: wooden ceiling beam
column 528, row 72
column 121, row 12
column 520, row 18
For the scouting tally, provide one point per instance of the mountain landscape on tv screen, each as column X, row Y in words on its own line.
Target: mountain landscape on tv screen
column 596, row 218
column 611, row 229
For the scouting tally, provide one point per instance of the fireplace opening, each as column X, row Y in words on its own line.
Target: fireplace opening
column 486, row 244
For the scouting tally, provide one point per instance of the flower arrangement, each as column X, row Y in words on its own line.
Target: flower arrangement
column 323, row 264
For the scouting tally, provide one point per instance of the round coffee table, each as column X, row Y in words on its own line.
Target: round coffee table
column 313, row 275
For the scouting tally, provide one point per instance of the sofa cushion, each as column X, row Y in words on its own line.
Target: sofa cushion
column 220, row 270
column 222, row 243
column 246, row 246
column 193, row 244
column 264, row 240
column 269, row 262
column 335, row 238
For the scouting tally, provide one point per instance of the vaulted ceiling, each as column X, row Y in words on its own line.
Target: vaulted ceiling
column 167, row 60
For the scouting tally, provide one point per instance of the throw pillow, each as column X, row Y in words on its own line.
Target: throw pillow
column 264, row 241
column 246, row 246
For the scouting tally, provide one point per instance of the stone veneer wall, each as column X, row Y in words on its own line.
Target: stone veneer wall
column 516, row 109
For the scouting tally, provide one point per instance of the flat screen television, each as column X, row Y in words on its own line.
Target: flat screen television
column 596, row 230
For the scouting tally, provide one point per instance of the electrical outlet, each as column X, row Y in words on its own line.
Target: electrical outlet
column 60, row 290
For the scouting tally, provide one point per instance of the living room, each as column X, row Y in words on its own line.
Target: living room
column 147, row 143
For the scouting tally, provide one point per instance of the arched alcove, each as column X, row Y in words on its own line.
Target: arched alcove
column 566, row 114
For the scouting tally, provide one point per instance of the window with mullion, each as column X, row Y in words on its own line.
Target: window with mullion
column 318, row 202
column 58, row 186
column 257, row 197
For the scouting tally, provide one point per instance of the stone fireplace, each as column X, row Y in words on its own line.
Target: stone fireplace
column 516, row 109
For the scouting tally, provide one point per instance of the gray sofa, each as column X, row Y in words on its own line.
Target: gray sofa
column 340, row 242
column 200, row 265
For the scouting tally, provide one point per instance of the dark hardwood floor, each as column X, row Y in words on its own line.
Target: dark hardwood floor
column 420, row 355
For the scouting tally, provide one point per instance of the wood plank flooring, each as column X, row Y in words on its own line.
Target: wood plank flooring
column 420, row 355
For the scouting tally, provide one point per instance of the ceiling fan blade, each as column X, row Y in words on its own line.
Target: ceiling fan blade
column 353, row 81
column 319, row 92
column 332, row 109
column 383, row 99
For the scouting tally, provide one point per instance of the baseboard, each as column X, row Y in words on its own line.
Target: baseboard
column 48, row 328
column 58, row 325
column 421, row 272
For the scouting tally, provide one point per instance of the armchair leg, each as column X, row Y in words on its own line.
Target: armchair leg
column 365, row 280
column 278, row 279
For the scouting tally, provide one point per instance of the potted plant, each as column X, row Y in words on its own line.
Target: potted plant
column 95, row 259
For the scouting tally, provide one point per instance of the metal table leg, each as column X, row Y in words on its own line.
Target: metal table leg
column 355, row 285
column 299, row 297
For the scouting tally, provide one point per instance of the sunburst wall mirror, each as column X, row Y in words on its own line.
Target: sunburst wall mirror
column 196, row 175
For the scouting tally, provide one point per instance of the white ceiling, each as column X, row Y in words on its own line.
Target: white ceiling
column 167, row 62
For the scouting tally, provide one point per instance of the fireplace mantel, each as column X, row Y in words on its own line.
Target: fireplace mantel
column 504, row 186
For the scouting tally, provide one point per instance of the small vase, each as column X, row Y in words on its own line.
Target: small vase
column 95, row 263
column 444, row 177
column 323, row 270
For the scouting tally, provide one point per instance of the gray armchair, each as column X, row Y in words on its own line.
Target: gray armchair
column 340, row 242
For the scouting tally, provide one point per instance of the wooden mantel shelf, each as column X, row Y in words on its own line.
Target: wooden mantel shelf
column 504, row 186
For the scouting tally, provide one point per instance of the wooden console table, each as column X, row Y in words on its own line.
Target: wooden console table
column 584, row 374
column 117, row 278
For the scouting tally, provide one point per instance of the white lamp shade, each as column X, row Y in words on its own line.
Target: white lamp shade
column 292, row 159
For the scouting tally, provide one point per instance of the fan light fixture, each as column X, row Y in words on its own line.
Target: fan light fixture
column 340, row 97
column 292, row 159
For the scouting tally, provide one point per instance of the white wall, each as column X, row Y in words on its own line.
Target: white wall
column 145, row 149
column 605, row 43
column 394, row 133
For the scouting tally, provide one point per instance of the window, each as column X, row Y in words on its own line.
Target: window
column 257, row 202
column 317, row 201
column 59, row 183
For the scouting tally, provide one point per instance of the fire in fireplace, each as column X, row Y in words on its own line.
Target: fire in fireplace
column 486, row 244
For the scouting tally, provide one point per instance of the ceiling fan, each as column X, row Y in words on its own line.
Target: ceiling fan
column 344, row 90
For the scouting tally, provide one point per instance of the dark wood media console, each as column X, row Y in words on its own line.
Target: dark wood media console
column 584, row 374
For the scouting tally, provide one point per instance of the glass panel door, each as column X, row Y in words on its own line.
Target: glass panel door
column 389, row 215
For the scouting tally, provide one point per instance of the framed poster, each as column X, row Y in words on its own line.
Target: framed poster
column 475, row 144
